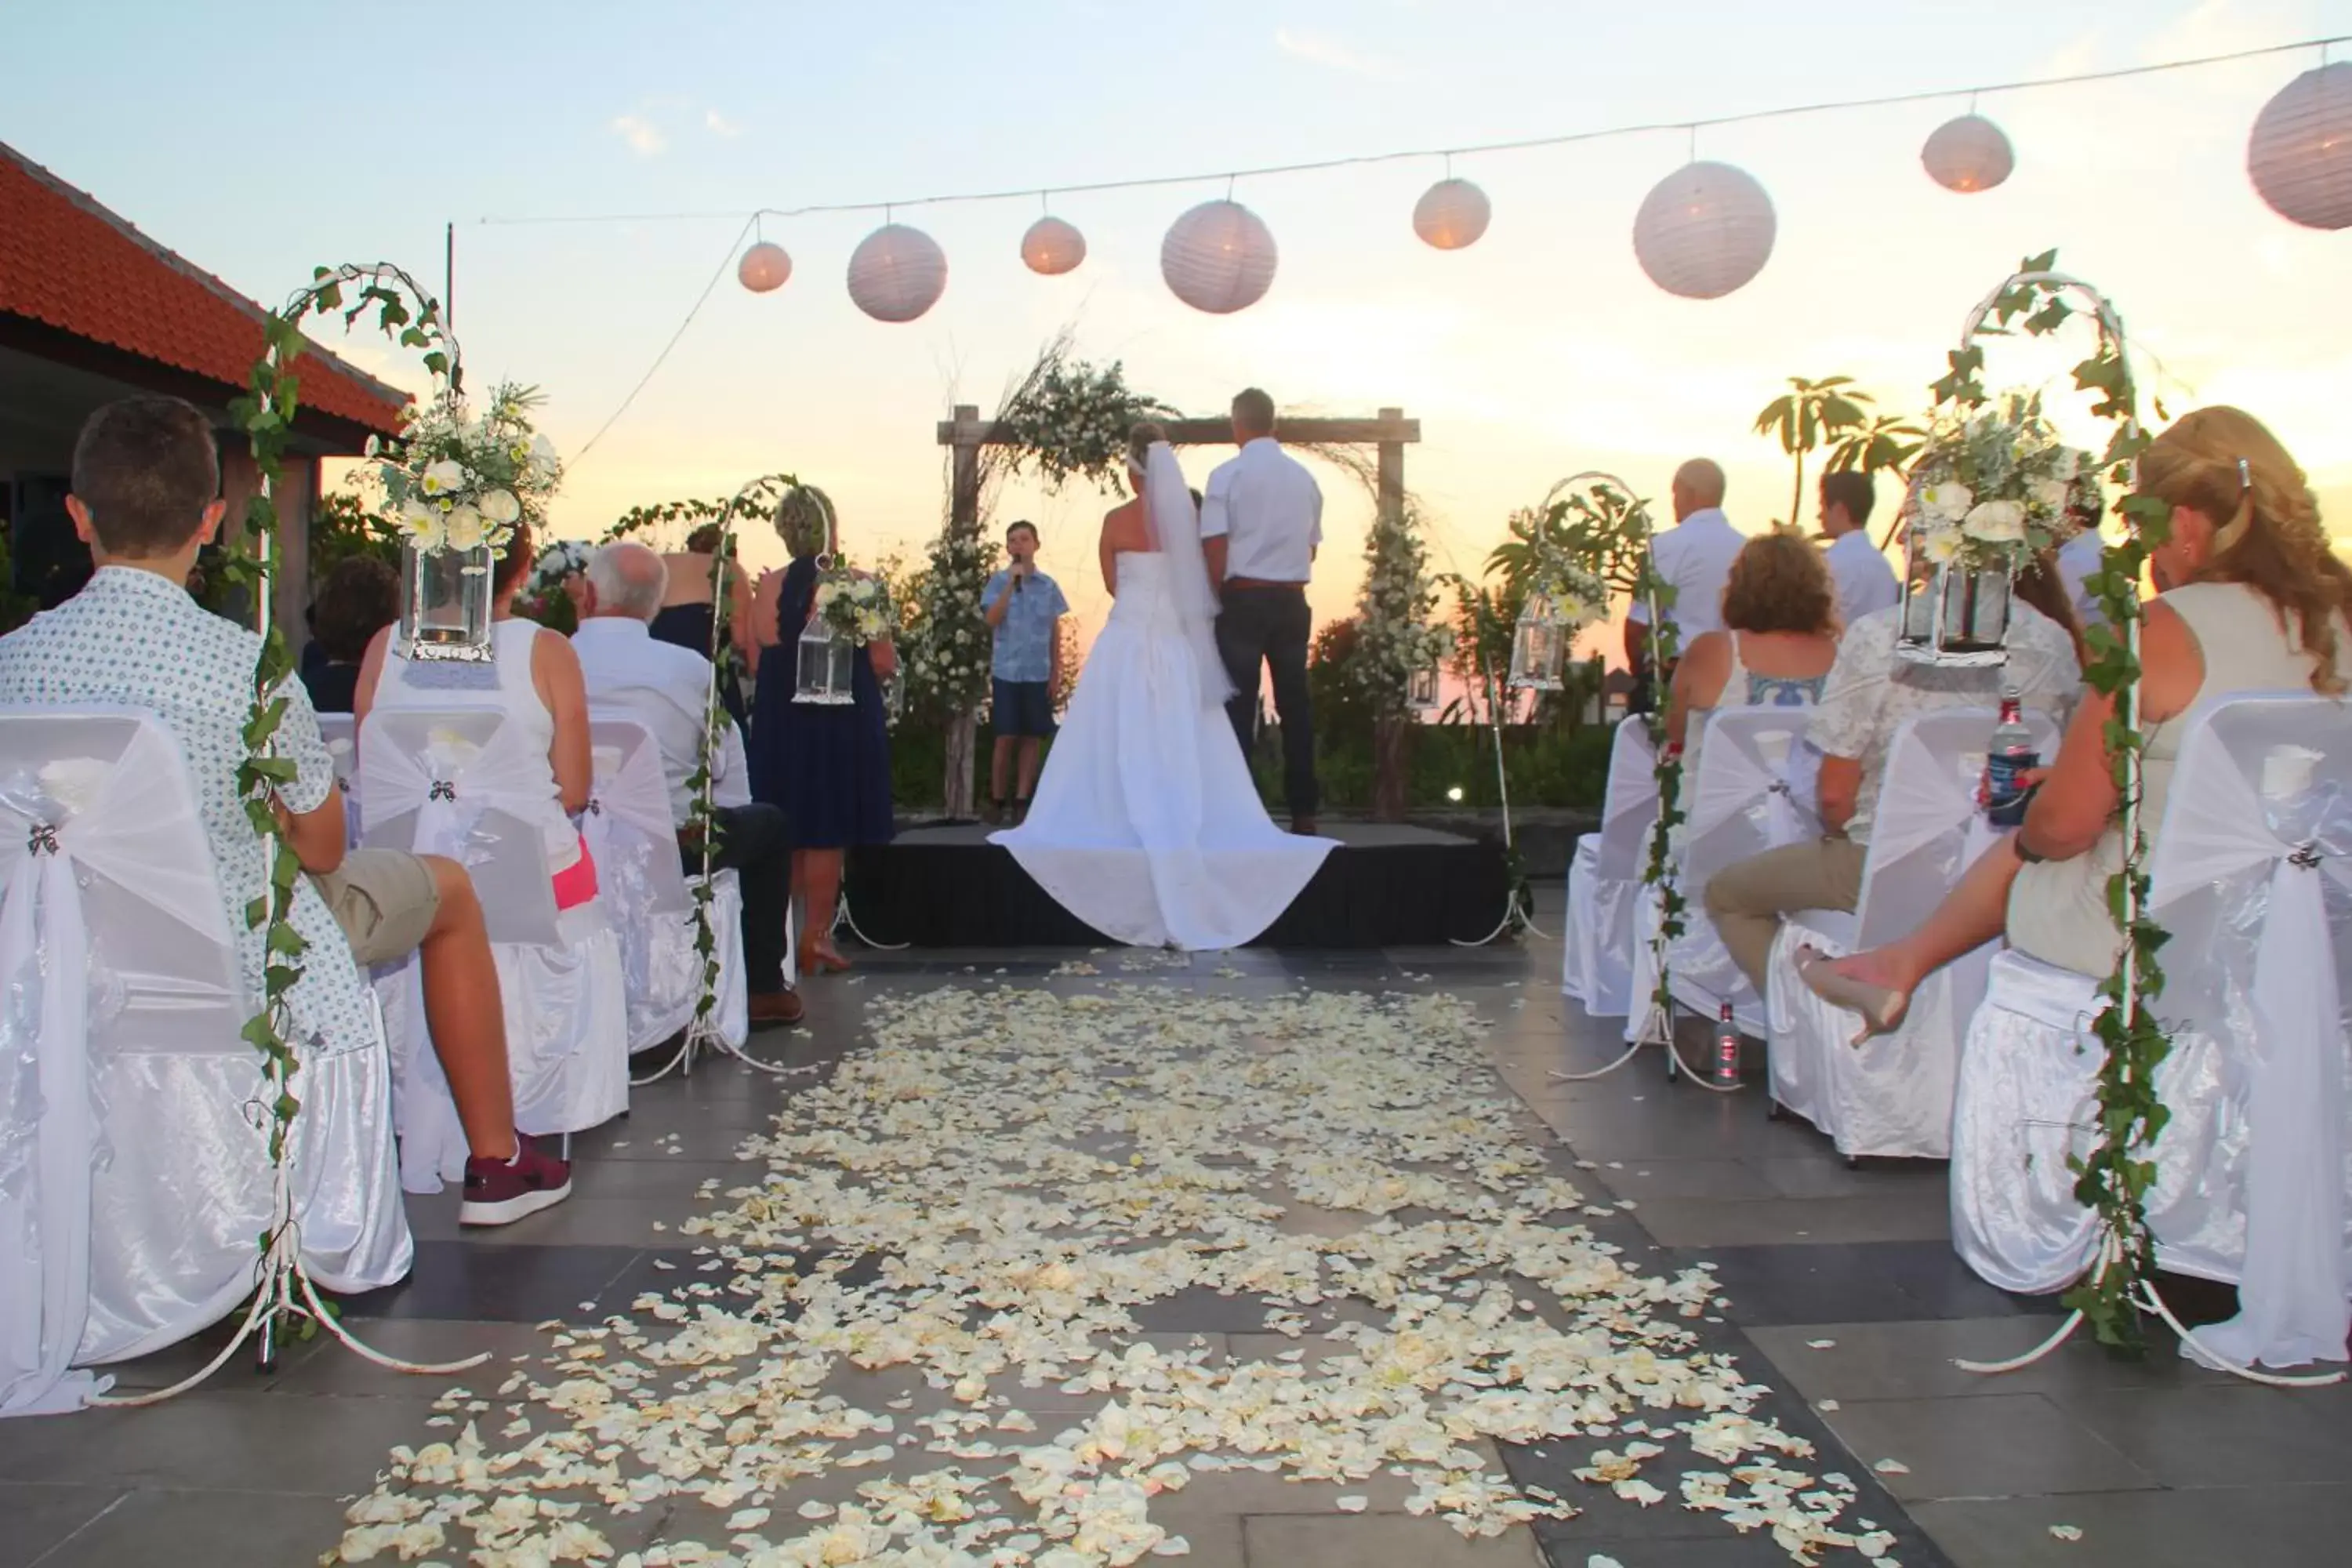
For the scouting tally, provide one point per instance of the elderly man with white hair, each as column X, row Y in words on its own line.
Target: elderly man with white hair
column 666, row 688
column 1692, row 558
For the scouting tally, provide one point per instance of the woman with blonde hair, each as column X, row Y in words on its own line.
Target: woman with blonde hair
column 828, row 765
column 2253, row 599
column 1779, row 641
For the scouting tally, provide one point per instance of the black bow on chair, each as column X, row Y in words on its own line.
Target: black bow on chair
column 595, row 807
column 442, row 790
column 41, row 839
column 2305, row 859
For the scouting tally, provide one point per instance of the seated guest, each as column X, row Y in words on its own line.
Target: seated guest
column 666, row 688
column 2253, row 599
column 1865, row 582
column 360, row 597
column 1694, row 559
column 146, row 496
column 537, row 686
column 686, row 617
column 1780, row 612
column 1869, row 694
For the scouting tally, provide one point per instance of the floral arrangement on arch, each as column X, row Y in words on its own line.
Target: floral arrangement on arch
column 1397, row 635
column 855, row 605
column 946, row 654
column 1579, row 594
column 1073, row 419
column 1995, row 486
column 451, row 482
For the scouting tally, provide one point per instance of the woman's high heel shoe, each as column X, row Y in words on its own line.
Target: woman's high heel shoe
column 1883, row 1008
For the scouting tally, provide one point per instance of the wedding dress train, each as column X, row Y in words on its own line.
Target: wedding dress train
column 1146, row 824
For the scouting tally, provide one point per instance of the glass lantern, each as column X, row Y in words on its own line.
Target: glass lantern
column 1420, row 688
column 1955, row 616
column 1539, row 646
column 444, row 596
column 826, row 667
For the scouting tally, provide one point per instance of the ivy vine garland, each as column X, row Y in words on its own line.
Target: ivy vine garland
column 2114, row 1177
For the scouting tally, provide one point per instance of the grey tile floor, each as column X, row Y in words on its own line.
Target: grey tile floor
column 1845, row 1297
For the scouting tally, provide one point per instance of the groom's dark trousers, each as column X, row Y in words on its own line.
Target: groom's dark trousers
column 1269, row 623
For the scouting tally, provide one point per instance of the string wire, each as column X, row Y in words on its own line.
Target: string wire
column 1787, row 111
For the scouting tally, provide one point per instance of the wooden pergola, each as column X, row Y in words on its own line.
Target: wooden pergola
column 1389, row 431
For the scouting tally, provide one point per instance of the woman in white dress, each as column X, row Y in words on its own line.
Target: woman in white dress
column 1146, row 824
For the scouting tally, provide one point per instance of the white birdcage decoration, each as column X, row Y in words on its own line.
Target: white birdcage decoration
column 444, row 597
column 827, row 666
column 1539, row 646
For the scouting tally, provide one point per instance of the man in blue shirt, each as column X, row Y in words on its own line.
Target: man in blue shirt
column 1024, row 608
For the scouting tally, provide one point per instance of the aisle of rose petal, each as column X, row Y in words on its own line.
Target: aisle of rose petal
column 984, row 1199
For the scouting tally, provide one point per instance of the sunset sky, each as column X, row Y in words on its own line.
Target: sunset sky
column 258, row 140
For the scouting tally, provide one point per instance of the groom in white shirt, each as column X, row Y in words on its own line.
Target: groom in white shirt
column 1261, row 521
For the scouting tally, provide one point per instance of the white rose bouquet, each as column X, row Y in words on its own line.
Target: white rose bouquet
column 1994, row 488
column 855, row 605
column 451, row 482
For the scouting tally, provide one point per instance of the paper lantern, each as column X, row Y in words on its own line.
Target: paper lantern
column 897, row 273
column 765, row 266
column 1451, row 214
column 1968, row 154
column 1052, row 247
column 2300, row 154
column 1218, row 257
column 1703, row 230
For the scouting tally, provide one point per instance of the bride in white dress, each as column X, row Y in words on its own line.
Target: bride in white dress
column 1146, row 824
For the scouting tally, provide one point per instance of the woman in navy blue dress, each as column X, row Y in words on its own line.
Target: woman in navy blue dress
column 826, row 766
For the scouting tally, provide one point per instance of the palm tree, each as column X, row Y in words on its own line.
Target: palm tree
column 1803, row 416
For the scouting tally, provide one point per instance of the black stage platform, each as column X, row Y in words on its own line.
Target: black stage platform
column 1384, row 887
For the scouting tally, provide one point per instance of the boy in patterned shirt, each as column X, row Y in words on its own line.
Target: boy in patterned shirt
column 146, row 498
column 1026, row 609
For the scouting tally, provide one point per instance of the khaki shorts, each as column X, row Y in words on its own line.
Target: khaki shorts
column 384, row 900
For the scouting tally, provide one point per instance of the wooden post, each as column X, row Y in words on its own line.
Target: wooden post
column 1391, row 732
column 962, row 436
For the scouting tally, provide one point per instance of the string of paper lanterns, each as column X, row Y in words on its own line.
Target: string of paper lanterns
column 1704, row 231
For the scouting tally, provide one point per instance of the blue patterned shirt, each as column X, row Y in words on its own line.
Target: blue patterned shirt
column 133, row 639
column 1024, row 639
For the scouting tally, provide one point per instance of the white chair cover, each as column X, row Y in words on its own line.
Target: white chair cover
column 1756, row 788
column 1892, row 1096
column 456, row 782
column 1604, row 879
column 734, row 1016
column 2249, row 875
column 630, row 832
column 133, row 1177
column 342, row 745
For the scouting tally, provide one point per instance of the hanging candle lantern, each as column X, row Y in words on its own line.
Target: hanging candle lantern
column 1955, row 611
column 897, row 273
column 444, row 596
column 1420, row 688
column 1451, row 214
column 1703, row 230
column 1539, row 646
column 2300, row 153
column 827, row 666
column 764, row 268
column 1052, row 247
column 1968, row 154
column 1218, row 257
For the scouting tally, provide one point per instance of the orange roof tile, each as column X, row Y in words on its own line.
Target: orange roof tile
column 69, row 263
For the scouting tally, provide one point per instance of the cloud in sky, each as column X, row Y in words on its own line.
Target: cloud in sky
column 644, row 137
column 1335, row 54
column 719, row 124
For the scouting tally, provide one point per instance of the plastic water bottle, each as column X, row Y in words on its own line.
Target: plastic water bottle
column 1726, row 1049
column 2010, row 754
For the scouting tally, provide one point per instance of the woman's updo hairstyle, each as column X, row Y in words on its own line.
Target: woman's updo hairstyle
column 805, row 521
column 1145, row 436
column 2225, row 464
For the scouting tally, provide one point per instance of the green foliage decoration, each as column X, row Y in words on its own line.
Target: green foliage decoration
column 2113, row 1178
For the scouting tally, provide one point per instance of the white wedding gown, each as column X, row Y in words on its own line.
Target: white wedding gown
column 1146, row 824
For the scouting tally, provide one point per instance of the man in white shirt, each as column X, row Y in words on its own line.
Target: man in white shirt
column 1865, row 582
column 666, row 689
column 1261, row 521
column 1692, row 558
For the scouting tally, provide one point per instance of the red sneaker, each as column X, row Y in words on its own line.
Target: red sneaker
column 500, row 1192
